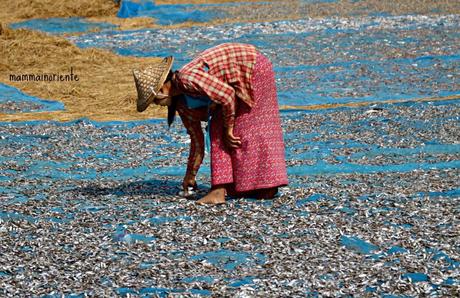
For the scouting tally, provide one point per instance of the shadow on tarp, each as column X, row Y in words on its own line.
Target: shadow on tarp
column 137, row 188
column 63, row 25
column 168, row 14
column 13, row 100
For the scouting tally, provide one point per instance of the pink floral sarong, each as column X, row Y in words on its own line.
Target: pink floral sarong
column 260, row 162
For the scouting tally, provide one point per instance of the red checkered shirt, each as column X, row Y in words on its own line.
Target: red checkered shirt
column 223, row 73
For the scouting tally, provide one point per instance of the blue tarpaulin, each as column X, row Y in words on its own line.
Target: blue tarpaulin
column 12, row 100
column 166, row 14
column 305, row 77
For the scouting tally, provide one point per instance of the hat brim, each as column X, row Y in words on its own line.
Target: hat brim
column 142, row 104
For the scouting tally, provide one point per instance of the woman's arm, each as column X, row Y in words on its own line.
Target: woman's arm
column 196, row 153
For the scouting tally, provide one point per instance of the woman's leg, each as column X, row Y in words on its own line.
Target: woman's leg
column 221, row 164
column 215, row 197
column 259, row 164
column 266, row 193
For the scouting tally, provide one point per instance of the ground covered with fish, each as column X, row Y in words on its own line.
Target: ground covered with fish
column 90, row 208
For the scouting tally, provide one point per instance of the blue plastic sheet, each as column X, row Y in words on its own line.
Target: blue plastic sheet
column 314, row 153
column 160, row 292
column 416, row 276
column 357, row 244
column 309, row 70
column 236, row 283
column 12, row 100
column 167, row 14
column 63, row 25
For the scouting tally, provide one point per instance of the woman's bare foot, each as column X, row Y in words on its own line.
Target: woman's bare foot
column 267, row 193
column 214, row 197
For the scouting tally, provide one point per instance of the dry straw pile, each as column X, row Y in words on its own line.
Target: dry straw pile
column 31, row 9
column 105, row 79
column 93, row 10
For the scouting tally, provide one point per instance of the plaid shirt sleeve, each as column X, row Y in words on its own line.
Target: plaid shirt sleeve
column 197, row 81
column 191, row 120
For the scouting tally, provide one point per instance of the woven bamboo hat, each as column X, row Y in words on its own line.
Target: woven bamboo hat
column 150, row 80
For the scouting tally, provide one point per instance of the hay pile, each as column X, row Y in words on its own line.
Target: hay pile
column 93, row 10
column 105, row 79
column 31, row 9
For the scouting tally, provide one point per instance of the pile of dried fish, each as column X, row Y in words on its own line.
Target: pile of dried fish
column 372, row 209
column 14, row 107
column 327, row 60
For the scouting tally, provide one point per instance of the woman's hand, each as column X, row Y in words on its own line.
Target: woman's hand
column 189, row 181
column 230, row 140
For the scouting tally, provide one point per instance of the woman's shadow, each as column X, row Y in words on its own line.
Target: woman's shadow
column 146, row 188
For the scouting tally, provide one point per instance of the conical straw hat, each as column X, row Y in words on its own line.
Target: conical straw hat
column 150, row 80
